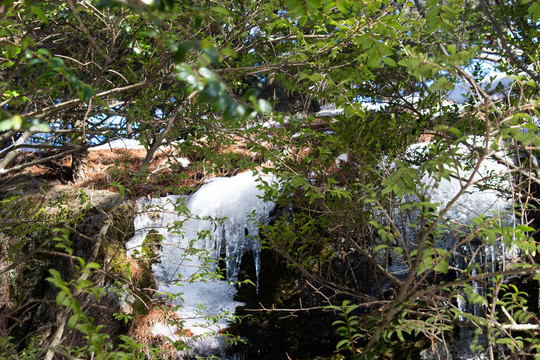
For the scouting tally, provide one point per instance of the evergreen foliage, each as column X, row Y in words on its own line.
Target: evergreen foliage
column 204, row 76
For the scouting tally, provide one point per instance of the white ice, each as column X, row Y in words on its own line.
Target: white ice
column 343, row 158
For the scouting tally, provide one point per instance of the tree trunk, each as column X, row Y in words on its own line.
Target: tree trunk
column 5, row 295
column 79, row 159
column 79, row 165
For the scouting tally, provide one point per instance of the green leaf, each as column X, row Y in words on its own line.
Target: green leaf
column 491, row 236
column 342, row 344
column 389, row 61
column 441, row 84
column 534, row 11
column 83, row 283
column 442, row 266
column 13, row 123
column 524, row 228
column 207, row 73
column 313, row 5
column 222, row 102
column 73, row 321
column 76, row 306
column 56, row 275
column 221, row 10
column 182, row 51
column 342, row 6
column 380, row 247
column 185, row 73
column 212, row 89
column 328, row 7
column 228, row 52
column 264, row 106
column 230, row 112
column 39, row 13
column 44, row 52
column 60, row 298
column 432, row 19
column 212, row 53
column 35, row 62
column 12, row 50
column 446, row 25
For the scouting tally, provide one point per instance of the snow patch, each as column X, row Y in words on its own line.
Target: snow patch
column 119, row 144
column 184, row 162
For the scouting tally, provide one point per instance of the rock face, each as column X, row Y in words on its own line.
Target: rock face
column 30, row 210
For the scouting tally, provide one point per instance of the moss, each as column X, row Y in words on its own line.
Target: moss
column 26, row 281
column 135, row 272
column 113, row 250
column 141, row 272
column 144, row 286
column 151, row 245
column 123, row 229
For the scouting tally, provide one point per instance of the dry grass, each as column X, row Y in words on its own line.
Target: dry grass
column 143, row 325
column 164, row 176
column 135, row 270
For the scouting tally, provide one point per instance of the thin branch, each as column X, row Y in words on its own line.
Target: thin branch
column 40, row 161
column 274, row 309
column 155, row 146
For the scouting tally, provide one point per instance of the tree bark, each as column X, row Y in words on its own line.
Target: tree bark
column 79, row 159
column 79, row 165
column 5, row 301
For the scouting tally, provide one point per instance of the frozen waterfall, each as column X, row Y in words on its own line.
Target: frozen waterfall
column 221, row 218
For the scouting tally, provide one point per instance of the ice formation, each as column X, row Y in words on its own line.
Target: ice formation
column 222, row 217
column 475, row 201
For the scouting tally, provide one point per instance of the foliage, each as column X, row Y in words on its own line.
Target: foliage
column 207, row 76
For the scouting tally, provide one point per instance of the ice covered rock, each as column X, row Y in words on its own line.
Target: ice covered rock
column 221, row 218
